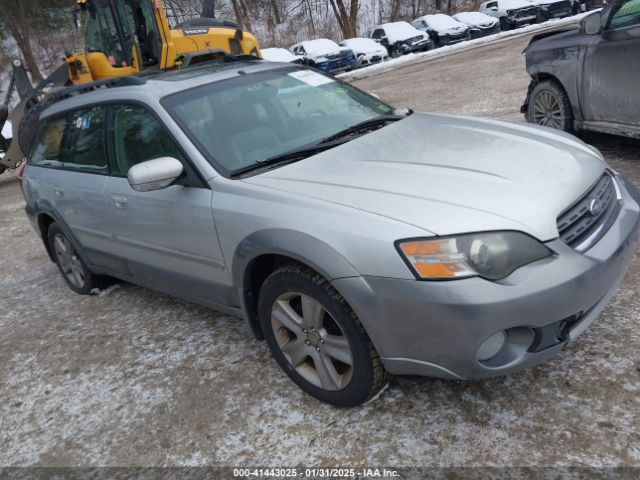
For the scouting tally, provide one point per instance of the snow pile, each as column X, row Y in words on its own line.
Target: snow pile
column 363, row 45
column 442, row 23
column 415, row 57
column 400, row 31
column 474, row 18
column 278, row 55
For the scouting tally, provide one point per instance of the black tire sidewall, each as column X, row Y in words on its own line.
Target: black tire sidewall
column 562, row 97
column 359, row 388
column 89, row 278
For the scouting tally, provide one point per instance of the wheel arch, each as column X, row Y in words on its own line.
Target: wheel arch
column 564, row 84
column 263, row 252
column 45, row 216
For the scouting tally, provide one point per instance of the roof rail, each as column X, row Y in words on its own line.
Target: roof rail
column 126, row 81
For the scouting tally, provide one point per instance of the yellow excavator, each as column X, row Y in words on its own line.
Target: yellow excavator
column 122, row 38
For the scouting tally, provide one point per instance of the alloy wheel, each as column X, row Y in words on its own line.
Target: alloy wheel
column 70, row 264
column 547, row 110
column 312, row 342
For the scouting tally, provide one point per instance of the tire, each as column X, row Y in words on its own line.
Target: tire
column 550, row 106
column 327, row 324
column 504, row 24
column 394, row 51
column 26, row 133
column 73, row 269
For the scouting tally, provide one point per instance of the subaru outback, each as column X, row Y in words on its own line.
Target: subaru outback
column 359, row 241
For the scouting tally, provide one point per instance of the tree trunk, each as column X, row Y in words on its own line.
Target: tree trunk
column 276, row 12
column 19, row 28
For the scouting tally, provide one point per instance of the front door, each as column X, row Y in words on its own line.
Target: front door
column 167, row 237
column 612, row 68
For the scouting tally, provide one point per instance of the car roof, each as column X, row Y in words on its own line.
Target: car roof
column 151, row 88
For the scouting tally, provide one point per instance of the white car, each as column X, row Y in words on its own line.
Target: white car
column 511, row 13
column 325, row 55
column 479, row 24
column 400, row 38
column 279, row 55
column 443, row 29
column 367, row 51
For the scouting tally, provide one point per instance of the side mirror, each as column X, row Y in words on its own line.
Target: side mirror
column 592, row 24
column 154, row 174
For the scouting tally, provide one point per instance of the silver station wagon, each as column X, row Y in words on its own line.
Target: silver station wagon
column 359, row 241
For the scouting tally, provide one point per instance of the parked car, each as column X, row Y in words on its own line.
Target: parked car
column 479, row 24
column 357, row 241
column 400, row 38
column 367, row 51
column 587, row 78
column 511, row 13
column 553, row 9
column 442, row 29
column 280, row 55
column 325, row 55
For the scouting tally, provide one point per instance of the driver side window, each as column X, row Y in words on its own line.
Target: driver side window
column 138, row 136
column 626, row 14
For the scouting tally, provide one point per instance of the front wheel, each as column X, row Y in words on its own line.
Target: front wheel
column 550, row 106
column 504, row 24
column 317, row 339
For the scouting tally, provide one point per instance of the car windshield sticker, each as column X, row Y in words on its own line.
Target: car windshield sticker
column 311, row 78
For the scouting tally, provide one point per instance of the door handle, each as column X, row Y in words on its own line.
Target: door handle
column 119, row 202
column 59, row 193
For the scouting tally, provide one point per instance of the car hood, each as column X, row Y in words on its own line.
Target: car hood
column 450, row 174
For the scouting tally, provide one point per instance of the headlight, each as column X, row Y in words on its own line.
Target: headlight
column 491, row 255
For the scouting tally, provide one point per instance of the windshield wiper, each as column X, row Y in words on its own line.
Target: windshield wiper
column 290, row 156
column 363, row 127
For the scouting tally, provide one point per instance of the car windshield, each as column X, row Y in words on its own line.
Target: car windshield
column 251, row 118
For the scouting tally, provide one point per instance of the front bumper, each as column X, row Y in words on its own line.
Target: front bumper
column 418, row 46
column 483, row 32
column 435, row 328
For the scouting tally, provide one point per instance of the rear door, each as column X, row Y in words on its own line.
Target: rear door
column 167, row 237
column 611, row 76
column 78, row 189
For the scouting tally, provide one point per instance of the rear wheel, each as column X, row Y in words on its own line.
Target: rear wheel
column 317, row 339
column 74, row 270
column 550, row 106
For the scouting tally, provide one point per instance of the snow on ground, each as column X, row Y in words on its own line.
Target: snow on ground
column 415, row 57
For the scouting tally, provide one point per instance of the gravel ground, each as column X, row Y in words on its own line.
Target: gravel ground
column 132, row 377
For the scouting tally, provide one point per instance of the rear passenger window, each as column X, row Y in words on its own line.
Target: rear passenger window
column 85, row 144
column 138, row 136
column 47, row 147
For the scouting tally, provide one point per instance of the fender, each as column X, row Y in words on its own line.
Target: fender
column 44, row 207
column 298, row 246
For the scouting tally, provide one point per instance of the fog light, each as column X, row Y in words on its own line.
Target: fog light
column 491, row 346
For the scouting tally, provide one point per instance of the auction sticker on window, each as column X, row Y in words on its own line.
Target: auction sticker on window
column 311, row 78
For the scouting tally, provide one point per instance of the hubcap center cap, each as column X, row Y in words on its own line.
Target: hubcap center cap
column 313, row 338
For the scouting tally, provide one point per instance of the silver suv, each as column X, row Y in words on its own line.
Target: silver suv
column 359, row 241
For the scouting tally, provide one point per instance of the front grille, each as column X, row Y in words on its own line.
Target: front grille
column 559, row 6
column 527, row 12
column 415, row 40
column 586, row 221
